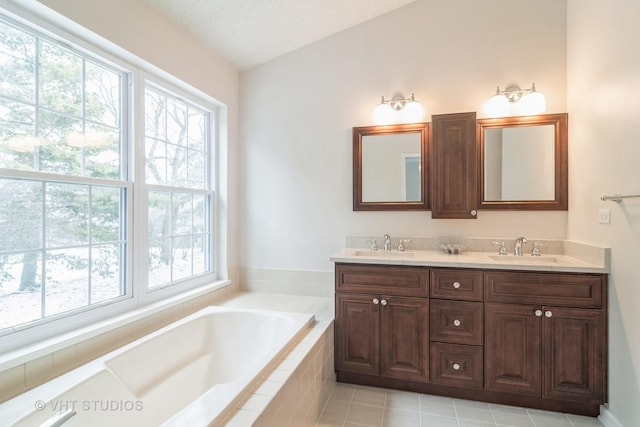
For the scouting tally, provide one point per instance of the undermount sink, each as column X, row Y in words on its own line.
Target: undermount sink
column 523, row 259
column 383, row 254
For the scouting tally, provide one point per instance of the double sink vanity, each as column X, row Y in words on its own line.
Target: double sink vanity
column 518, row 330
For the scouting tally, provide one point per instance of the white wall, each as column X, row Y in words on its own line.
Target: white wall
column 135, row 27
column 298, row 110
column 603, row 83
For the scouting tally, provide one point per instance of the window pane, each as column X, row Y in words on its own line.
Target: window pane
column 20, row 215
column 17, row 63
column 176, row 166
column 159, row 262
column 105, row 214
column 100, row 152
column 200, row 251
column 105, row 273
column 20, row 288
column 196, row 171
column 183, row 214
column 181, row 267
column 176, row 122
column 67, row 280
column 102, row 95
column 67, row 213
column 156, row 163
column 159, row 214
column 18, row 143
column 56, row 155
column 197, row 136
column 155, row 115
column 60, row 79
column 200, row 217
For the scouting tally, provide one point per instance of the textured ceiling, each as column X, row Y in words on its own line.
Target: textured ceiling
column 249, row 32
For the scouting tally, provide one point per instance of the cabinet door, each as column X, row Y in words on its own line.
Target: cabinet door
column 357, row 329
column 574, row 347
column 512, row 349
column 404, row 337
column 454, row 183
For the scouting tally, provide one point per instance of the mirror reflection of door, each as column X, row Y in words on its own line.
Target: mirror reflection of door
column 411, row 177
column 519, row 163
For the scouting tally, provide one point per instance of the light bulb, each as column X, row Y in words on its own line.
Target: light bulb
column 497, row 106
column 533, row 103
column 413, row 112
column 383, row 114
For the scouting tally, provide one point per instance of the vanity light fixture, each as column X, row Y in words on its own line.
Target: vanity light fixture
column 398, row 109
column 529, row 102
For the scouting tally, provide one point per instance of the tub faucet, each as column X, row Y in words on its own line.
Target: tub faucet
column 387, row 243
column 517, row 250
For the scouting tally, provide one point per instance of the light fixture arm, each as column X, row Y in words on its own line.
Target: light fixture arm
column 514, row 93
column 398, row 102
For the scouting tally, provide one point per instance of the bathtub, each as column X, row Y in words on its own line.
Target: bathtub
column 189, row 373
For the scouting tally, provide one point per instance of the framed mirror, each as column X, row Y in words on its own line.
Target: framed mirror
column 390, row 167
column 523, row 162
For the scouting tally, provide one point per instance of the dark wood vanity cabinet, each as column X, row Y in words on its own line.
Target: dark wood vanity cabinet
column 379, row 331
column 535, row 339
column 554, row 346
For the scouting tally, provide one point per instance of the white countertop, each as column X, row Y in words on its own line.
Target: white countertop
column 484, row 260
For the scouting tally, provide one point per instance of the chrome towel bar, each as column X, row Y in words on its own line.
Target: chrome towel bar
column 618, row 197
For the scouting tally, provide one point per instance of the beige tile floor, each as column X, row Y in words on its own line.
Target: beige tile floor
column 356, row 406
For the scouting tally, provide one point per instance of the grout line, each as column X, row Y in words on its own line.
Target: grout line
column 495, row 423
column 531, row 418
column 419, row 410
column 384, row 407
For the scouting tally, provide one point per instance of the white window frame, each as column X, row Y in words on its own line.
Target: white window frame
column 141, row 256
column 138, row 296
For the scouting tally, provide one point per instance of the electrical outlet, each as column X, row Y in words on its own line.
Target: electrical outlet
column 604, row 216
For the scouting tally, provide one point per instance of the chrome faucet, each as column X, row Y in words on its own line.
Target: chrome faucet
column 387, row 243
column 517, row 250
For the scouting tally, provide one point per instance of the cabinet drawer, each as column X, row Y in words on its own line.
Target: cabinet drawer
column 390, row 280
column 458, row 284
column 458, row 322
column 562, row 289
column 456, row 365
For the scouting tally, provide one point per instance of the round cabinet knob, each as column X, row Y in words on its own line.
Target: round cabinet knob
column 548, row 313
column 383, row 302
column 457, row 322
column 376, row 301
column 473, row 212
column 456, row 285
column 456, row 366
column 538, row 313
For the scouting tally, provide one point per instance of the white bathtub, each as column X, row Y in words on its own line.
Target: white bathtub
column 189, row 373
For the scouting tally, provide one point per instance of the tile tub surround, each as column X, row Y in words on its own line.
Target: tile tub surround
column 46, row 364
column 294, row 393
column 290, row 282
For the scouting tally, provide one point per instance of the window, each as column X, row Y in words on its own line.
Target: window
column 179, row 195
column 67, row 190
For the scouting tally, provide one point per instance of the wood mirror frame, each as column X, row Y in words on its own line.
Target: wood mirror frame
column 560, row 124
column 392, row 205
